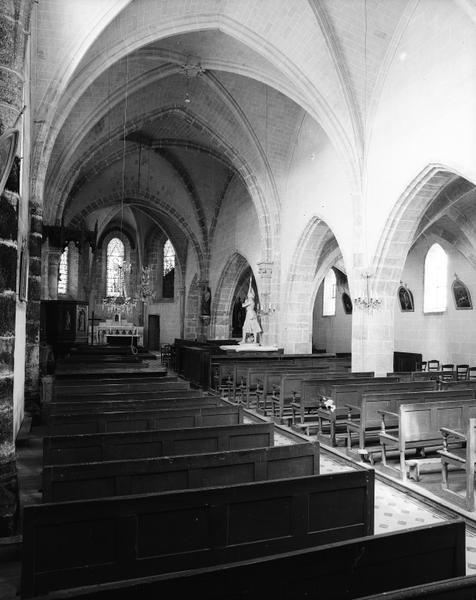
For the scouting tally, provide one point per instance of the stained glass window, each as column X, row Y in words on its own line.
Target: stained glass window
column 63, row 272
column 168, row 270
column 114, row 267
column 329, row 295
column 436, row 272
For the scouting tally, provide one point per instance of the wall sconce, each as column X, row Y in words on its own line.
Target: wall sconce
column 367, row 302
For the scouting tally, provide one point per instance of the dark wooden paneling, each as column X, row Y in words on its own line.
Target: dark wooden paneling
column 116, row 478
column 92, row 541
column 144, row 444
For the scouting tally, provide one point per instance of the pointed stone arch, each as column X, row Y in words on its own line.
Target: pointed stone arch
column 191, row 322
column 316, row 251
column 222, row 306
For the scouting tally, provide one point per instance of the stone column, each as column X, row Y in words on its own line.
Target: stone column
column 268, row 308
column 14, row 22
column 54, row 256
column 373, row 330
column 32, row 362
column 181, row 293
column 204, row 319
column 8, row 279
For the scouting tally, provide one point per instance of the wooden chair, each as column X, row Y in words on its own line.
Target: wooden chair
column 462, row 372
column 420, row 365
column 448, row 372
column 463, row 458
column 165, row 355
column 472, row 373
column 433, row 365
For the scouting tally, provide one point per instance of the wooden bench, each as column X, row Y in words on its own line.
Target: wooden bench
column 257, row 381
column 150, row 475
column 345, row 394
column 305, row 405
column 365, row 421
column 139, row 371
column 86, row 389
column 339, row 571
column 68, row 544
column 91, row 372
column 419, row 425
column 225, row 362
column 171, row 414
column 73, row 449
column 461, row 458
column 455, row 588
column 141, row 395
column 107, row 380
column 117, row 402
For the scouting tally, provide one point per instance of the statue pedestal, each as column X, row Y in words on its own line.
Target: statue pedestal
column 250, row 348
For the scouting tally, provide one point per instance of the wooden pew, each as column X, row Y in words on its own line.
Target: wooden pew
column 141, row 395
column 252, row 381
column 282, row 390
column 310, row 400
column 73, row 384
column 84, row 542
column 91, row 372
column 419, row 424
column 456, row 588
column 222, row 366
column 339, row 571
column 461, row 458
column 76, row 423
column 417, row 375
column 150, row 475
column 365, row 421
column 73, row 449
column 343, row 395
column 118, row 402
column 120, row 387
column 455, row 385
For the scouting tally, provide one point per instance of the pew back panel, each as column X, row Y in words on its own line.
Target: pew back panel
column 119, row 478
column 119, row 403
column 73, row 449
column 339, row 571
column 143, row 535
column 77, row 423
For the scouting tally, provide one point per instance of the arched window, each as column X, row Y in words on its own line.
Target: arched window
column 114, row 267
column 63, row 272
column 435, row 282
column 329, row 295
column 169, row 270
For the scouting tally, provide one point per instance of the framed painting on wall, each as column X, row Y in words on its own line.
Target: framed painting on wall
column 347, row 303
column 405, row 297
column 461, row 295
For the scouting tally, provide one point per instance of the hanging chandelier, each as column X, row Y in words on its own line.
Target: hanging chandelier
column 367, row 302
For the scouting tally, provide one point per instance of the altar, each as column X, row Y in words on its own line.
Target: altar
column 118, row 333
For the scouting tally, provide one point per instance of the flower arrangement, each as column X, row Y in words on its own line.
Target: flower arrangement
column 328, row 404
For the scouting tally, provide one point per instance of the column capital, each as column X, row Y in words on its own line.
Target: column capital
column 265, row 268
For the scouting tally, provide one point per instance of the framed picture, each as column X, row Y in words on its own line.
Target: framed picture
column 347, row 303
column 461, row 295
column 406, row 299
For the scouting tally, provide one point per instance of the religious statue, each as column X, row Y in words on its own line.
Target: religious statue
column 206, row 302
column 251, row 326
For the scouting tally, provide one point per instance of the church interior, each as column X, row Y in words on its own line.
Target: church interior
column 237, row 264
